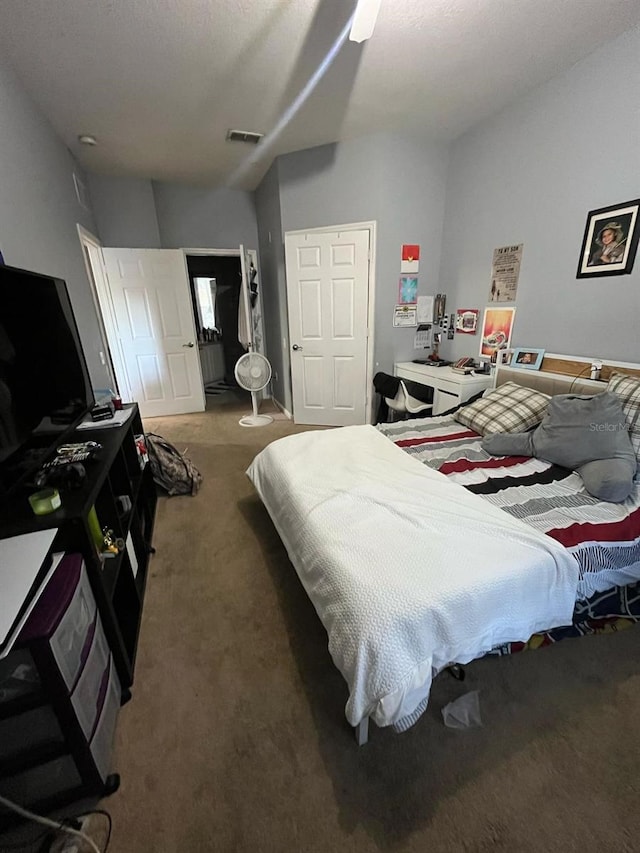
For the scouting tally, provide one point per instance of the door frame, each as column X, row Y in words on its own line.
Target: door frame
column 371, row 227
column 101, row 294
column 219, row 252
column 235, row 253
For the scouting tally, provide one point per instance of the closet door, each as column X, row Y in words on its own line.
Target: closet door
column 328, row 300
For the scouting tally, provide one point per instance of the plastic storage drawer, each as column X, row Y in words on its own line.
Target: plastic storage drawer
column 28, row 731
column 19, row 676
column 102, row 740
column 67, row 643
column 85, row 697
column 41, row 782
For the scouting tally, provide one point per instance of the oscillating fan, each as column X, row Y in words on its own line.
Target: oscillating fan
column 253, row 373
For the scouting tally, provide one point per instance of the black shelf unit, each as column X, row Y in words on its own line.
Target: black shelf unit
column 118, row 583
column 118, row 586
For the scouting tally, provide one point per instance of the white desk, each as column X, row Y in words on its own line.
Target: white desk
column 449, row 388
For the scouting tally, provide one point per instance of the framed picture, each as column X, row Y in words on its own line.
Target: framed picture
column 439, row 307
column 467, row 321
column 504, row 357
column 610, row 240
column 497, row 325
column 407, row 290
column 528, row 358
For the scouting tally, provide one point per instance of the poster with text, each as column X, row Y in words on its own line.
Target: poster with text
column 505, row 272
column 497, row 326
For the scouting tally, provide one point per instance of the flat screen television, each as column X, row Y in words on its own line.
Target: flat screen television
column 45, row 389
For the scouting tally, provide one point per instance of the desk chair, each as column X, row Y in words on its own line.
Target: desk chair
column 405, row 404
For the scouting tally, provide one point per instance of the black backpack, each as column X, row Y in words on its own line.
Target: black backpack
column 175, row 473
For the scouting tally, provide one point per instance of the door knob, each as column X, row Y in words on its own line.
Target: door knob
column 190, row 344
column 295, row 347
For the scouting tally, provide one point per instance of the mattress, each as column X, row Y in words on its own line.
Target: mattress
column 407, row 570
column 603, row 537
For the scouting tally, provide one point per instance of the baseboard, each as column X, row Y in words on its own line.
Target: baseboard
column 284, row 411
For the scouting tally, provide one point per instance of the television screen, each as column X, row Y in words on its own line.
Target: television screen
column 44, row 382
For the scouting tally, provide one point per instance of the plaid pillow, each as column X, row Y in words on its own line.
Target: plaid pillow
column 627, row 389
column 510, row 408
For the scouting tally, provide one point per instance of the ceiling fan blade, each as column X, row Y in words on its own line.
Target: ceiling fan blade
column 364, row 20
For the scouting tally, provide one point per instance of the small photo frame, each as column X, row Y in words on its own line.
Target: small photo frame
column 527, row 358
column 610, row 240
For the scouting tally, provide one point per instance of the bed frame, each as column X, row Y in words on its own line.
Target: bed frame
column 559, row 374
column 563, row 374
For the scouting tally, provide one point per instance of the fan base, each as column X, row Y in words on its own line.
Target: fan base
column 255, row 420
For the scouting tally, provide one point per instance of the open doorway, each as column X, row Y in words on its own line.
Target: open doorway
column 159, row 338
column 215, row 282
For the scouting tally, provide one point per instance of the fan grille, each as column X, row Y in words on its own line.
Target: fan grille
column 253, row 371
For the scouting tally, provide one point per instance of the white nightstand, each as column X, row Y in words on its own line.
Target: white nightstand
column 449, row 388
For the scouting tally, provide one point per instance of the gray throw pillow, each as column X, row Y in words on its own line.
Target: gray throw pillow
column 587, row 434
column 578, row 429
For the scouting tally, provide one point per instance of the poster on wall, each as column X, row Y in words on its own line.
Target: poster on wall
column 505, row 272
column 497, row 326
column 467, row 321
column 407, row 289
column 410, row 258
column 405, row 315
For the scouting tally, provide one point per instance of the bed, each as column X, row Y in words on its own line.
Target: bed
column 418, row 551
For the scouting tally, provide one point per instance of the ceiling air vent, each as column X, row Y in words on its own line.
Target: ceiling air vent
column 244, row 136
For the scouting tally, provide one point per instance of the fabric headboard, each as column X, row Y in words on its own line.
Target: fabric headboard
column 549, row 383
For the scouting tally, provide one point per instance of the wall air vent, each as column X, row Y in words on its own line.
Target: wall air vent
column 244, row 136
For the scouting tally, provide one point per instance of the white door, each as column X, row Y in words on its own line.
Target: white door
column 154, row 317
column 327, row 298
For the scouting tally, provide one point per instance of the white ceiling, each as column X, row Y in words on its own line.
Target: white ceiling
column 159, row 82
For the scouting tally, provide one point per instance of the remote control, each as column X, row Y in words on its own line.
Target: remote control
column 67, row 459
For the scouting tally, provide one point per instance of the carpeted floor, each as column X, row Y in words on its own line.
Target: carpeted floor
column 236, row 740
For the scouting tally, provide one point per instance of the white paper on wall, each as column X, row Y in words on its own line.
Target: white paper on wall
column 425, row 309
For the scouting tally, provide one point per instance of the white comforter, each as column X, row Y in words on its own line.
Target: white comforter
column 408, row 571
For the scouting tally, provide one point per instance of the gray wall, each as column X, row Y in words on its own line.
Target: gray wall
column 412, row 187
column 273, row 291
column 529, row 176
column 398, row 181
column 141, row 214
column 125, row 212
column 39, row 209
column 196, row 218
